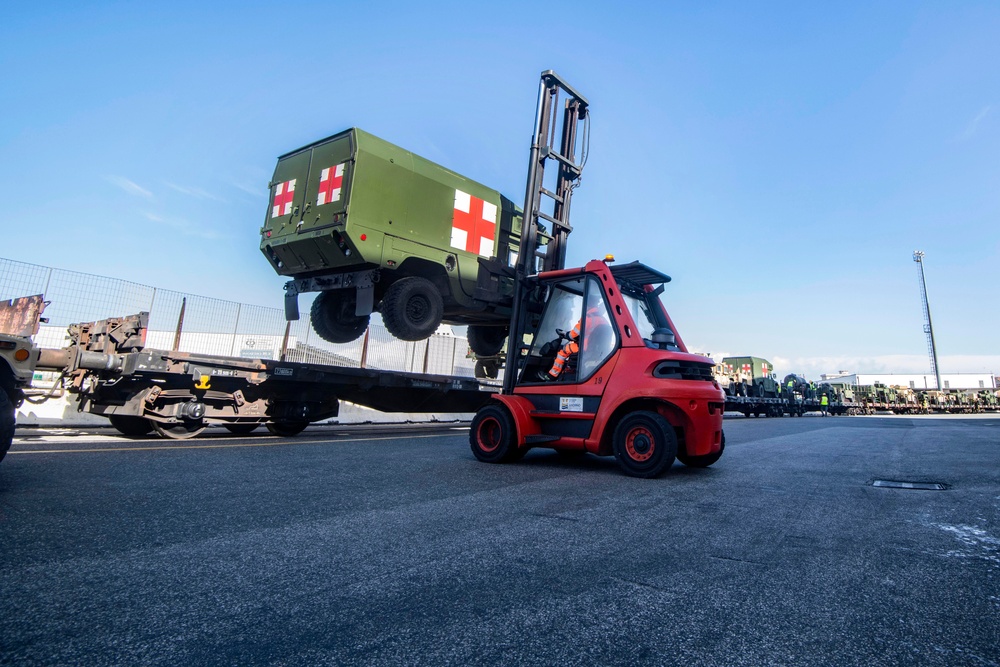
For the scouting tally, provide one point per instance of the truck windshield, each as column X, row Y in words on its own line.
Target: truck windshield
column 646, row 309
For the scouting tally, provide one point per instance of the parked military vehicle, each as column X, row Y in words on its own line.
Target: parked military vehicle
column 371, row 226
column 757, row 375
column 19, row 320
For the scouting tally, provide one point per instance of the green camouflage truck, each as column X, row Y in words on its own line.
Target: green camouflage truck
column 371, row 226
column 763, row 383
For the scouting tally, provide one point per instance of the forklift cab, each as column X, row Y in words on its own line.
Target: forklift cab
column 575, row 334
column 577, row 310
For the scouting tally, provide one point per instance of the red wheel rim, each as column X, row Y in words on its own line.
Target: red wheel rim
column 489, row 434
column 640, row 444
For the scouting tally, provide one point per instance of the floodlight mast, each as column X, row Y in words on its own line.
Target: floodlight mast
column 918, row 257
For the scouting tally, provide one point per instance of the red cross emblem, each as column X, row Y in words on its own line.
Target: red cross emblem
column 763, row 368
column 745, row 368
column 283, row 196
column 473, row 224
column 330, row 181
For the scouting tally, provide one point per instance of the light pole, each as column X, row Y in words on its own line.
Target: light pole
column 918, row 257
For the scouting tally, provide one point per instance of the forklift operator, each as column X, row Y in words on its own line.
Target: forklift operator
column 596, row 320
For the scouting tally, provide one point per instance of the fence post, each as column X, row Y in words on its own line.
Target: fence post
column 180, row 325
column 48, row 279
column 236, row 330
column 284, row 341
column 364, row 349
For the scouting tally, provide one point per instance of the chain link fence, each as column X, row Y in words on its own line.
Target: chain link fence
column 198, row 324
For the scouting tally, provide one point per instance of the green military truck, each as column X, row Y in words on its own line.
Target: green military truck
column 763, row 381
column 371, row 226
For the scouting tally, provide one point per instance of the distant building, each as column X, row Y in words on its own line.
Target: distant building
column 915, row 380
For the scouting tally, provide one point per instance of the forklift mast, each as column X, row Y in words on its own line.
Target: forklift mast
column 541, row 250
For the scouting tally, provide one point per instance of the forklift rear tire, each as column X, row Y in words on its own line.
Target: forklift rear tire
column 8, row 417
column 705, row 460
column 412, row 308
column 492, row 435
column 645, row 444
column 130, row 425
column 333, row 318
column 486, row 341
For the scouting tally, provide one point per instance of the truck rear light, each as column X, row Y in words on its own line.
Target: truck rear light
column 22, row 355
column 7, row 345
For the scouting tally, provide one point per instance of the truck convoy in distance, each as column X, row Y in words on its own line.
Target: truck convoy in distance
column 752, row 388
column 371, row 226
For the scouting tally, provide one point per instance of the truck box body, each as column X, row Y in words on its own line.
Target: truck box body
column 354, row 202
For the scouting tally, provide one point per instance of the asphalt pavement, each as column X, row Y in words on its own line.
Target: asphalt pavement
column 395, row 546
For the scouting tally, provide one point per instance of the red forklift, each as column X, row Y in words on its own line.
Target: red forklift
column 594, row 362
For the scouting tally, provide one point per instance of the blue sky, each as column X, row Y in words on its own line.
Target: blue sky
column 781, row 161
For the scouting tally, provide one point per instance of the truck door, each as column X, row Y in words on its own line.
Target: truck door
column 571, row 355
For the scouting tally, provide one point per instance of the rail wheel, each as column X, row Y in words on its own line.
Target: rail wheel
column 182, row 430
column 131, row 425
column 704, row 460
column 412, row 308
column 493, row 437
column 241, row 429
column 644, row 444
column 287, row 429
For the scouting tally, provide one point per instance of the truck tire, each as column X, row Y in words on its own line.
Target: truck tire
column 705, row 460
column 7, row 423
column 493, row 437
column 486, row 341
column 488, row 369
column 131, row 425
column 333, row 318
column 412, row 308
column 644, row 444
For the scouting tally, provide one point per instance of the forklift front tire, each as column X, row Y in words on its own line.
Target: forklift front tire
column 492, row 435
column 645, row 444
